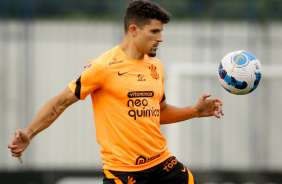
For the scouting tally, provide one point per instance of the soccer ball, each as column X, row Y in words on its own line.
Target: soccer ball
column 239, row 72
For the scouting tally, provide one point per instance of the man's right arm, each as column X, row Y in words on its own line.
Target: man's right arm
column 44, row 118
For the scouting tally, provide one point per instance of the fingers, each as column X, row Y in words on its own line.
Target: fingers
column 216, row 115
column 16, row 155
column 214, row 100
column 12, row 146
column 18, row 133
column 209, row 107
column 218, row 100
column 218, row 103
column 205, row 96
column 218, row 111
column 16, row 152
column 20, row 159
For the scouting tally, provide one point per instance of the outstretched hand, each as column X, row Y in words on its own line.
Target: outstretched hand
column 209, row 107
column 19, row 143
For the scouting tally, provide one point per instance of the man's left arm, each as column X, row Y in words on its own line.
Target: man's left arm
column 204, row 108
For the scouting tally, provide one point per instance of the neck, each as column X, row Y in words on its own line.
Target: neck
column 130, row 49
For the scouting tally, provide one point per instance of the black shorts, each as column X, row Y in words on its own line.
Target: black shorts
column 171, row 171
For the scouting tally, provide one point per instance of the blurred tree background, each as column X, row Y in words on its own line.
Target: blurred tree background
column 261, row 10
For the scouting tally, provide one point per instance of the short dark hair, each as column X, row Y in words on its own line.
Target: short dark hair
column 140, row 13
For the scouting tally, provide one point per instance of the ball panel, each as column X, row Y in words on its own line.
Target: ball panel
column 250, row 55
column 239, row 72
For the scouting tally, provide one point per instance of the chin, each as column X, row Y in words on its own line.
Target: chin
column 152, row 54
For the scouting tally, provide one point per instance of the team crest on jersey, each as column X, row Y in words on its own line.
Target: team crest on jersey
column 131, row 180
column 154, row 72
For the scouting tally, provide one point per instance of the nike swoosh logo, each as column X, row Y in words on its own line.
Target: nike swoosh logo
column 237, row 59
column 184, row 169
column 122, row 73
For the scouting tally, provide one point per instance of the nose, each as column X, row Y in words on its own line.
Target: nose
column 159, row 38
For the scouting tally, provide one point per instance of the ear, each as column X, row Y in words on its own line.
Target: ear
column 133, row 29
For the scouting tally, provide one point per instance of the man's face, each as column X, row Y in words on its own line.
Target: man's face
column 149, row 36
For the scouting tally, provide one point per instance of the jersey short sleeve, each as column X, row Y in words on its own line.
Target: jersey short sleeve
column 90, row 79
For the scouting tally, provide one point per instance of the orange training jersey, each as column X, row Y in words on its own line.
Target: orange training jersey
column 126, row 96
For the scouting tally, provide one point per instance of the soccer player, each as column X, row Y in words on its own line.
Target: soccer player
column 126, row 85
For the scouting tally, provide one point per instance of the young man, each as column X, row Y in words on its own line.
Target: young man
column 127, row 90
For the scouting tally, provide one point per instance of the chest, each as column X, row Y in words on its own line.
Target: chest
column 127, row 79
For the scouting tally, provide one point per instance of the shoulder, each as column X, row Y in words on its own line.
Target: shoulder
column 154, row 61
column 110, row 55
column 106, row 58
